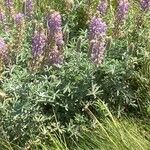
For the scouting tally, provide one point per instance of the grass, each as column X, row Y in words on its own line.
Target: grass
column 107, row 133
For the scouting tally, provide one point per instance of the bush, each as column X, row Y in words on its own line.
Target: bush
column 38, row 95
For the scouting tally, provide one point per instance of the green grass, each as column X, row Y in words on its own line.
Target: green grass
column 107, row 133
column 114, row 134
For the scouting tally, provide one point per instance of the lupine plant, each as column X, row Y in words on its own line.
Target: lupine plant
column 145, row 5
column 55, row 36
column 9, row 6
column 102, row 7
column 97, row 39
column 122, row 10
column 59, row 57
column 18, row 19
column 2, row 17
column 29, row 7
column 3, row 50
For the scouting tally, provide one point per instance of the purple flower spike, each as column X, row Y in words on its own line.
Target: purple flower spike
column 2, row 17
column 29, row 6
column 59, row 39
column 54, row 22
column 56, row 58
column 97, row 52
column 38, row 43
column 97, row 34
column 9, row 4
column 145, row 5
column 122, row 11
column 102, row 7
column 19, row 18
column 3, row 50
column 97, row 28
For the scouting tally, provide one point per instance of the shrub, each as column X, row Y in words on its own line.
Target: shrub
column 50, row 90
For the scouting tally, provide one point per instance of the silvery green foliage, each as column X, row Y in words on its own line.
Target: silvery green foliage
column 53, row 99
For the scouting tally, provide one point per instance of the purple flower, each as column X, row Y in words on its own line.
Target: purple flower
column 56, row 58
column 2, row 17
column 9, row 4
column 97, row 37
column 3, row 50
column 122, row 10
column 38, row 43
column 59, row 39
column 19, row 18
column 29, row 6
column 102, row 7
column 145, row 5
column 97, row 51
column 97, row 28
column 54, row 23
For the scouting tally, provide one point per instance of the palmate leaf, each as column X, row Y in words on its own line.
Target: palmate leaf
column 95, row 91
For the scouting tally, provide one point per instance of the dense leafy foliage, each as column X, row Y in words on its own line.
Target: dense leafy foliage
column 37, row 96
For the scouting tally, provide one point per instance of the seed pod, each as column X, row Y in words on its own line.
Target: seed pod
column 56, row 58
column 131, row 48
column 97, row 52
column 78, row 47
column 66, row 37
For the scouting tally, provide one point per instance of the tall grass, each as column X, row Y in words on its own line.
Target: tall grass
column 114, row 134
column 107, row 133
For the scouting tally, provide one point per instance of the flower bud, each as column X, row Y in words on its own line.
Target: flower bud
column 102, row 7
column 145, row 5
